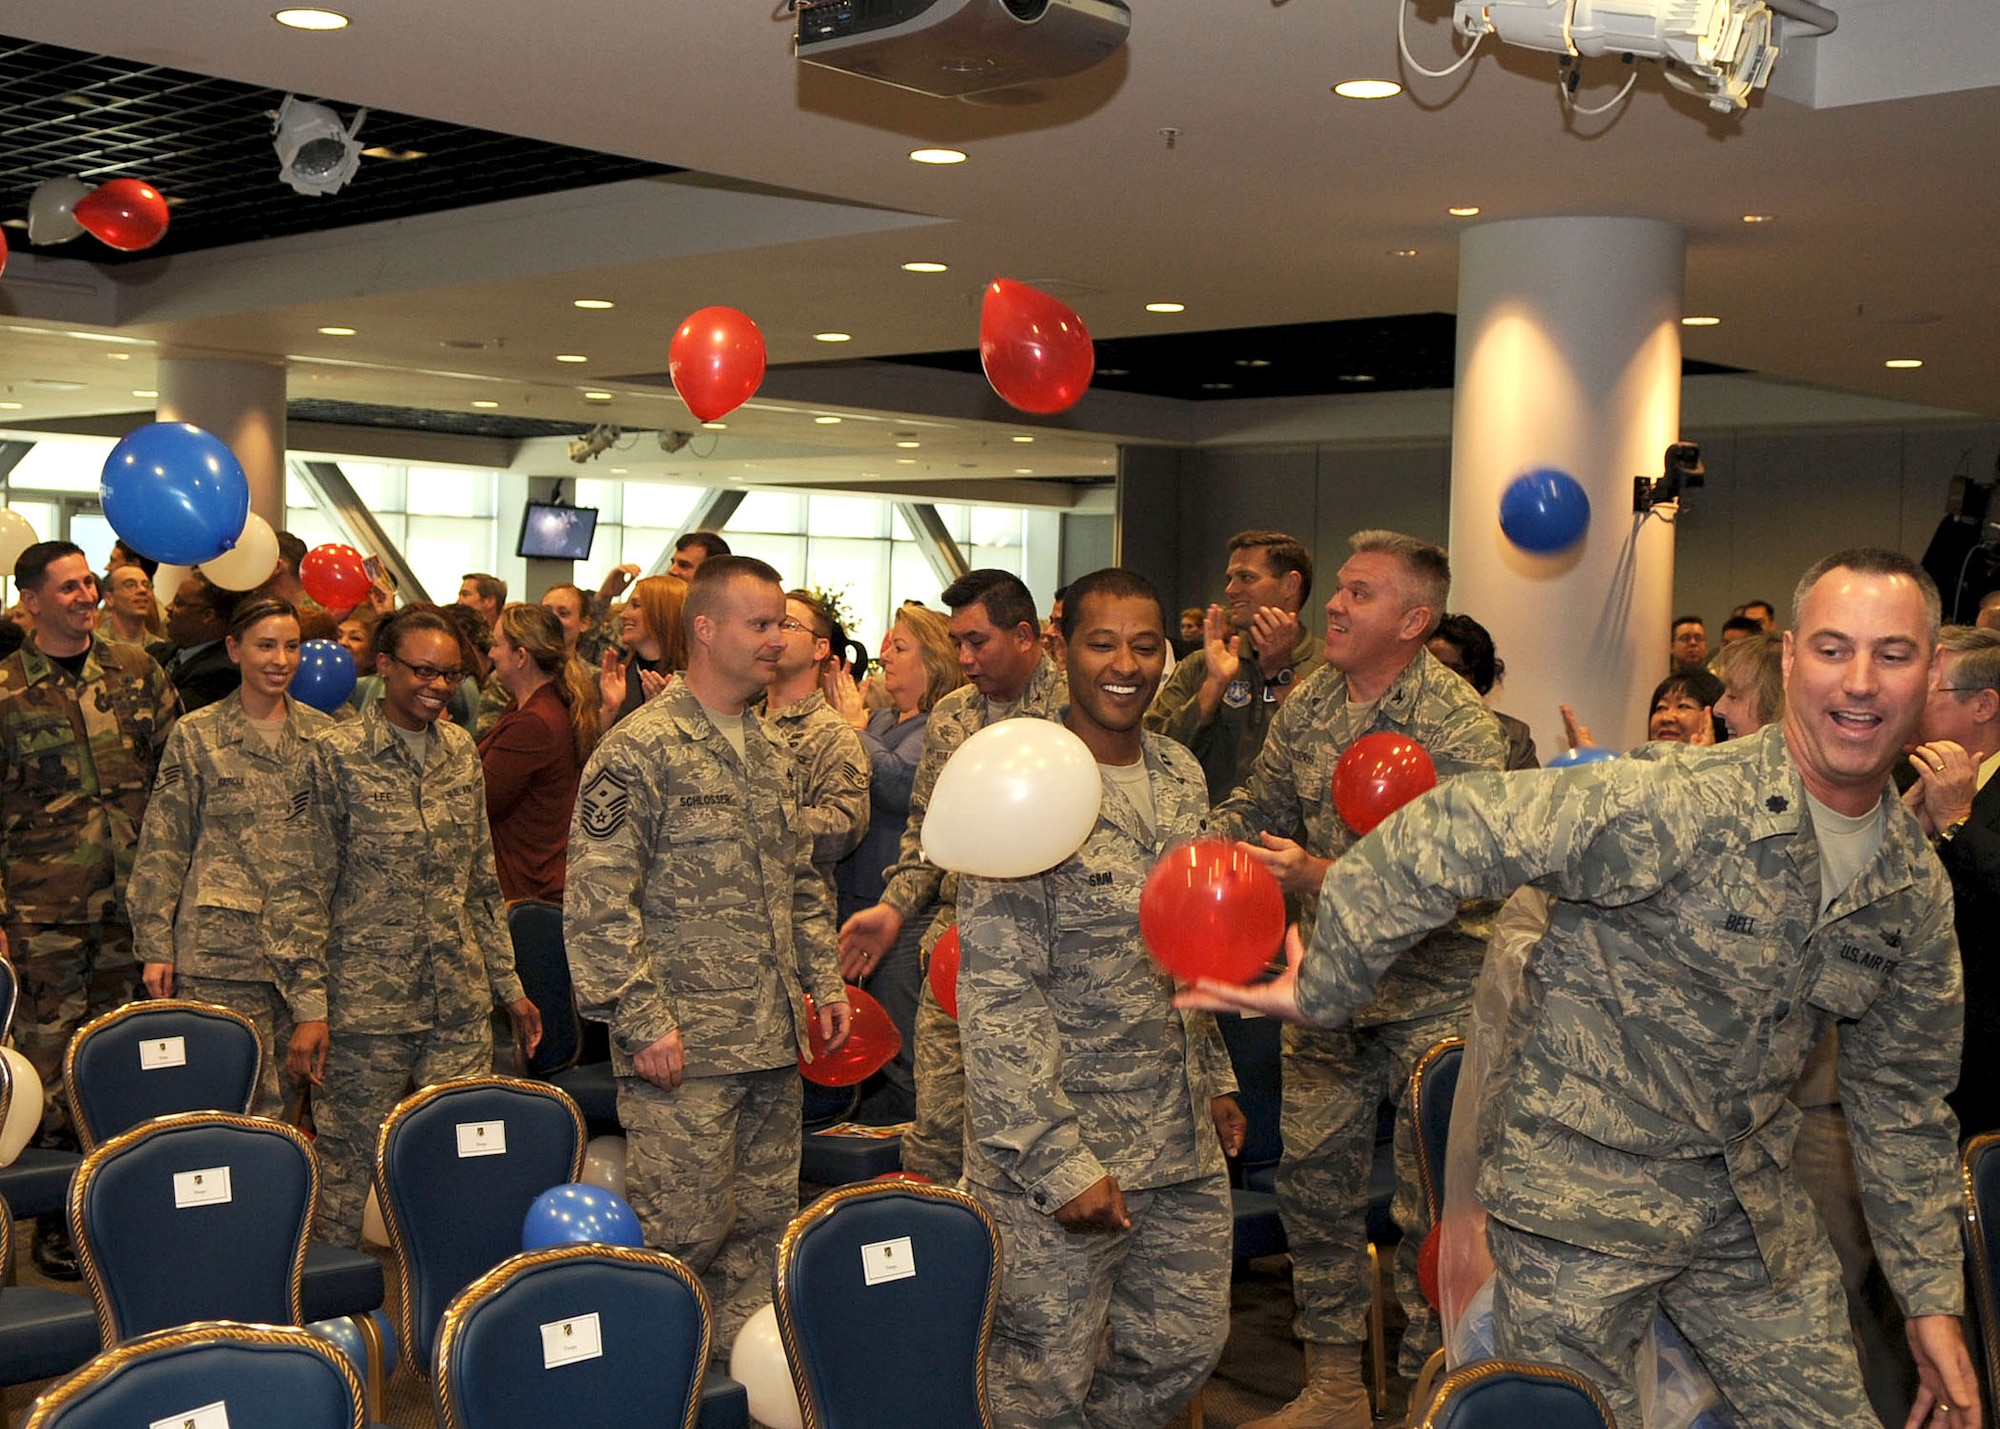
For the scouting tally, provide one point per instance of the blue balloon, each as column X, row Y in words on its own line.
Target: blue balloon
column 1587, row 754
column 578, row 1215
column 325, row 677
column 176, row 493
column 344, row 1334
column 1545, row 511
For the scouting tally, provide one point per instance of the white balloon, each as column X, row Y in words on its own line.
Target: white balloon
column 49, row 216
column 250, row 562
column 167, row 580
column 1016, row 799
column 757, row 1362
column 24, row 1106
column 604, row 1163
column 373, row 1230
column 16, row 535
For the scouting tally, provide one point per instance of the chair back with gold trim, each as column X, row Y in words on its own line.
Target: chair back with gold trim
column 1507, row 1394
column 42, row 1332
column 258, row 1376
column 1980, row 1166
column 150, row 1059
column 886, row 1293
column 457, row 1167
column 623, row 1331
column 201, row 1216
column 10, row 996
column 1433, row 1085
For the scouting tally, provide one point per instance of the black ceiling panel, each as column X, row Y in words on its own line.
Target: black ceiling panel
column 1409, row 353
column 206, row 145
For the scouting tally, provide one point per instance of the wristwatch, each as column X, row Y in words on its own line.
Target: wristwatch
column 1946, row 834
column 1277, row 681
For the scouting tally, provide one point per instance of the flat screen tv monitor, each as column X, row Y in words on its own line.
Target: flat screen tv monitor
column 551, row 532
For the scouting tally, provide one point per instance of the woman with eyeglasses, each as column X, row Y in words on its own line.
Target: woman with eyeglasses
column 227, row 811
column 650, row 628
column 533, row 755
column 398, row 907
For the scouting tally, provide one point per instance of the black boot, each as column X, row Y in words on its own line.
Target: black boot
column 55, row 1255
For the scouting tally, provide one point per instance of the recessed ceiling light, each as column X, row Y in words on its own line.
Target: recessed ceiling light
column 1468, row 210
column 909, row 446
column 597, row 396
column 938, row 156
column 1904, row 363
column 1024, row 471
column 1023, row 437
column 1368, row 89
column 571, row 357
column 13, row 223
column 1166, row 307
column 827, row 421
column 337, row 332
column 1114, row 372
column 1700, row 322
column 594, row 304
column 715, row 426
column 1402, row 252
column 10, row 406
column 901, row 460
column 1218, row 386
column 1356, row 377
column 833, row 337
column 1253, row 362
column 1758, row 217
column 119, row 356
column 400, row 156
column 302, row 19
column 924, row 268
column 618, row 471
column 144, row 392
column 484, row 405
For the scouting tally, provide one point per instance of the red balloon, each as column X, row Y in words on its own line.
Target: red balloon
column 334, row 576
column 944, row 972
column 1211, row 910
column 1379, row 774
column 1427, row 1267
column 3, row 252
column 869, row 1046
column 123, row 213
column 716, row 361
column 1036, row 351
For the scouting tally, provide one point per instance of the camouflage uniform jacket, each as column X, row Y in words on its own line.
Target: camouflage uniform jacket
column 1228, row 744
column 834, row 774
column 1686, row 973
column 1077, row 1063
column 400, row 903
column 692, row 902
column 226, row 810
column 1292, row 783
column 915, row 883
column 77, row 758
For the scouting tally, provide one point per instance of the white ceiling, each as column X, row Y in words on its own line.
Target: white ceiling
column 1276, row 203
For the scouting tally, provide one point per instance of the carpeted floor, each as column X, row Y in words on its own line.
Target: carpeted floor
column 1261, row 1367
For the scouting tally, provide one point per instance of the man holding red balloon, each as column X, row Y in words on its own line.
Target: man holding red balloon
column 1346, row 748
column 1097, row 1113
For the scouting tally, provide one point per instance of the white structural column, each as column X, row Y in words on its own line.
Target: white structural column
column 1569, row 356
column 242, row 401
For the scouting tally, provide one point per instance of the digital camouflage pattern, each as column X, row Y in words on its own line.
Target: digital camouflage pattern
column 494, row 698
column 834, row 775
column 1078, row 1066
column 1228, row 746
column 692, row 901
column 77, row 758
column 918, row 888
column 1686, row 974
column 227, row 810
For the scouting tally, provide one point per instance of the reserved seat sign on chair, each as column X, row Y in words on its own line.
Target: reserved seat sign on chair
column 150, row 1059
column 209, row 1375
column 886, row 1293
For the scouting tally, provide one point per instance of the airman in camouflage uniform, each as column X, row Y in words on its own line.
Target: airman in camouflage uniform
column 77, row 759
column 226, row 809
column 401, row 907
column 917, row 888
column 1078, row 1067
column 1335, row 1081
column 833, row 778
column 1696, row 953
column 696, row 926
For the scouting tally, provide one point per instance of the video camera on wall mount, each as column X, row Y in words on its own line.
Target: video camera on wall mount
column 1681, row 472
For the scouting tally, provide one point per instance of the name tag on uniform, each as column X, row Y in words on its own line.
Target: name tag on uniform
column 201, row 1188
column 886, row 1260
column 568, row 1341
column 209, row 1416
column 482, row 1138
column 163, row 1052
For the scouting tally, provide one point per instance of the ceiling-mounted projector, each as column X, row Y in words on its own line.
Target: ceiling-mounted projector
column 957, row 47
